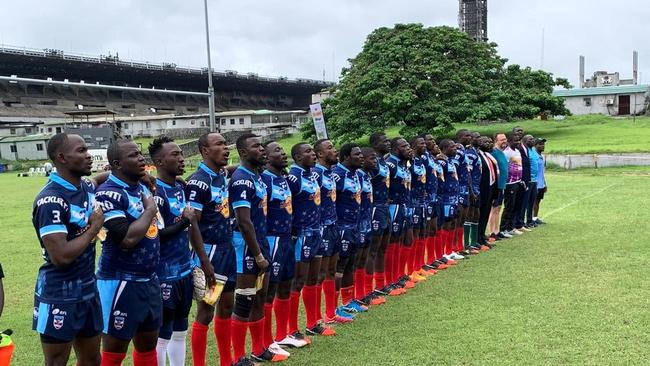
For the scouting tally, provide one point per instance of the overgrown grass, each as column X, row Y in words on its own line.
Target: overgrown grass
column 571, row 292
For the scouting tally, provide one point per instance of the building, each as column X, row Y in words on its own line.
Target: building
column 176, row 126
column 618, row 100
column 261, row 122
column 17, row 127
column 472, row 19
column 32, row 147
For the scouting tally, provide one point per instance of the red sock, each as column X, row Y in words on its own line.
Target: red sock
column 294, row 303
column 410, row 260
column 403, row 259
column 199, row 343
column 439, row 244
column 222, row 331
column 238, row 338
column 430, row 244
column 359, row 284
column 397, row 272
column 329, row 288
column 145, row 358
column 380, row 280
column 309, row 299
column 257, row 336
column 419, row 258
column 319, row 302
column 450, row 242
column 347, row 294
column 268, row 325
column 367, row 283
column 388, row 262
column 281, row 307
column 460, row 246
column 112, row 359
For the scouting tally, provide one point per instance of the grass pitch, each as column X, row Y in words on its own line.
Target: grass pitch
column 571, row 292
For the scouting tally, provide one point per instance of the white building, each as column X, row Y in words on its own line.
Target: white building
column 153, row 126
column 33, row 147
column 261, row 122
column 608, row 100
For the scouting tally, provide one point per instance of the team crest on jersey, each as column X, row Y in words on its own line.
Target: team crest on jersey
column 306, row 251
column 344, row 245
column 263, row 205
column 416, row 219
column 118, row 322
column 276, row 268
column 152, row 232
column 375, row 225
column 333, row 195
column 286, row 204
column 165, row 291
column 316, row 197
column 57, row 321
column 395, row 227
column 249, row 262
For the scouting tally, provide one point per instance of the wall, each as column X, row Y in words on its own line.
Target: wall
column 237, row 126
column 598, row 160
column 599, row 106
column 26, row 150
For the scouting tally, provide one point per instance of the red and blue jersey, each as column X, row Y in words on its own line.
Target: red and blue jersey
column 63, row 208
column 306, row 199
column 400, row 180
column 121, row 200
column 246, row 189
column 449, row 185
column 348, row 191
column 327, row 194
column 418, row 180
column 207, row 191
column 175, row 257
column 380, row 178
column 280, row 210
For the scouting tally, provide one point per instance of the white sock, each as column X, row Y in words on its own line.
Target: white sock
column 161, row 351
column 535, row 218
column 176, row 349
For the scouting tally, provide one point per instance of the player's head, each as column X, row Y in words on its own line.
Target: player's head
column 126, row 159
column 418, row 145
column 528, row 140
column 167, row 156
column 519, row 131
column 276, row 156
column 448, row 147
column 463, row 136
column 513, row 139
column 350, row 156
column 540, row 144
column 400, row 148
column 500, row 140
column 380, row 143
column 485, row 143
column 369, row 158
column 214, row 149
column 251, row 150
column 70, row 152
column 326, row 152
column 429, row 140
column 303, row 154
column 475, row 135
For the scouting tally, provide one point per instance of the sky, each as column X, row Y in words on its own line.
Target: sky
column 314, row 39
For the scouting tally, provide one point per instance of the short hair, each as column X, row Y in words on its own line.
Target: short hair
column 517, row 128
column 346, row 150
column 414, row 139
column 241, row 140
column 394, row 141
column 367, row 150
column 203, row 140
column 510, row 136
column 445, row 143
column 113, row 151
column 157, row 144
column 499, row 133
column 462, row 131
column 295, row 149
column 55, row 145
column 265, row 144
column 318, row 145
column 376, row 136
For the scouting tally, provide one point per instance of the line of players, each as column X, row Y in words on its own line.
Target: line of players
column 345, row 228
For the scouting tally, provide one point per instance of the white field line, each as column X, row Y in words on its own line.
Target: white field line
column 578, row 200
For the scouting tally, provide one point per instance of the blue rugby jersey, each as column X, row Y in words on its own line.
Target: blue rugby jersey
column 474, row 166
column 61, row 207
column 348, row 190
column 280, row 209
column 207, row 191
column 380, row 177
column 461, row 166
column 327, row 194
column 175, row 256
column 365, row 212
column 418, row 172
column 305, row 193
column 449, row 185
column 398, row 192
column 246, row 189
column 121, row 200
column 433, row 169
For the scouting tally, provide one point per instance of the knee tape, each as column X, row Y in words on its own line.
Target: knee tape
column 243, row 302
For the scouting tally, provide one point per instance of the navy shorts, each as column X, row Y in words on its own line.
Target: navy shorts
column 283, row 261
column 364, row 233
column 463, row 196
column 419, row 217
column 66, row 321
column 380, row 220
column 330, row 241
column 246, row 263
column 349, row 241
column 177, row 302
column 307, row 243
column 450, row 212
column 223, row 260
column 130, row 306
column 432, row 210
column 397, row 219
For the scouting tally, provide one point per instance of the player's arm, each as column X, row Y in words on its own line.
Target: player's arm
column 100, row 178
column 197, row 196
column 243, row 191
column 54, row 234
column 127, row 235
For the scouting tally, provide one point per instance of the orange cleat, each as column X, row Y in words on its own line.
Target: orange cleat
column 484, row 248
column 427, row 272
column 442, row 266
column 409, row 285
column 451, row 262
column 416, row 277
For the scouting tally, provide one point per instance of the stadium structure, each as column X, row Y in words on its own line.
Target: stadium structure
column 472, row 19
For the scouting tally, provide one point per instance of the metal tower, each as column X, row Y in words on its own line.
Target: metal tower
column 472, row 18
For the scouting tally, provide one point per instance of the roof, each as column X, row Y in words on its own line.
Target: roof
column 37, row 137
column 90, row 112
column 256, row 112
column 603, row 90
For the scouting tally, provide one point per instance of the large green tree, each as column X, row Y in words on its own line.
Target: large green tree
column 426, row 79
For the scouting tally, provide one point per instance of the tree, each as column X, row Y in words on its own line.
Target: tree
column 426, row 79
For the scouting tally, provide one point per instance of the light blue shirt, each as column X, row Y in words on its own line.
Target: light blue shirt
column 541, row 166
column 533, row 157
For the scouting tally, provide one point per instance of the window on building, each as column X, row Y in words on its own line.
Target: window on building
column 12, row 131
column 12, row 148
column 28, row 130
column 125, row 126
column 232, row 121
column 223, row 121
column 59, row 130
column 39, row 147
column 49, row 130
column 587, row 102
column 192, row 122
column 147, row 124
column 241, row 121
column 174, row 123
column 202, row 123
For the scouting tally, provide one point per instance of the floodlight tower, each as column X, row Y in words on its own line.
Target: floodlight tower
column 472, row 19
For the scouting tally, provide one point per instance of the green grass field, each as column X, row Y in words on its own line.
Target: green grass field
column 571, row 292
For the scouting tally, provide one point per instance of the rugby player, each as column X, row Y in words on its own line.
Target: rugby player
column 500, row 143
column 542, row 187
column 282, row 257
column 306, row 233
column 449, row 199
column 418, row 203
column 463, row 138
column 128, row 285
column 175, row 266
column 434, row 175
column 67, row 310
column 207, row 194
column 470, row 227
